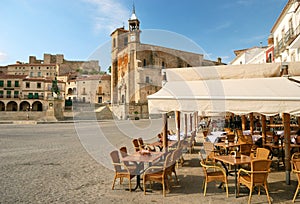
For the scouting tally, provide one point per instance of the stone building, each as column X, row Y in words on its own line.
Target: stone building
column 22, row 97
column 137, row 69
column 93, row 89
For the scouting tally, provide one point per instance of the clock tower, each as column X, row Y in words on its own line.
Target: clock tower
column 134, row 28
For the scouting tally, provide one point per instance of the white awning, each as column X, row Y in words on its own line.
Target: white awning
column 224, row 72
column 268, row 96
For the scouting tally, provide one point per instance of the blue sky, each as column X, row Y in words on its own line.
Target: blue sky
column 80, row 29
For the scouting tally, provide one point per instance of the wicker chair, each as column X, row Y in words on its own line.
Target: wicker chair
column 257, row 176
column 213, row 172
column 210, row 150
column 121, row 170
column 296, row 169
column 158, row 174
column 175, row 158
column 261, row 153
column 124, row 153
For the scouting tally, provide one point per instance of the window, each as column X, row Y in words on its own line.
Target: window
column 114, row 42
column 36, row 95
column 163, row 64
column 1, row 83
column 144, row 63
column 8, row 94
column 30, row 95
column 17, row 84
column 27, row 84
column 31, row 74
column 99, row 90
column 8, row 83
column 1, row 94
column 38, row 85
column 39, row 74
column 126, row 41
column 147, row 79
column 16, row 94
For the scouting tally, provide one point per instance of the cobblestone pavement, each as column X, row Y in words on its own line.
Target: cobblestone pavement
column 48, row 163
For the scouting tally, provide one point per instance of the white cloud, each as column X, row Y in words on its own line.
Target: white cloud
column 108, row 15
column 3, row 56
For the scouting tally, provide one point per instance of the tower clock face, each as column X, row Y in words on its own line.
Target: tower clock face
column 132, row 38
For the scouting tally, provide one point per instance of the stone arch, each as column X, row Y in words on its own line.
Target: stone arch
column 37, row 106
column 24, row 106
column 12, row 106
column 2, row 106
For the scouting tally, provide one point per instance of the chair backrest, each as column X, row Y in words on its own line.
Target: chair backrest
column 230, row 137
column 176, row 154
column 208, row 148
column 168, row 160
column 238, row 132
column 296, row 161
column 136, row 145
column 262, row 153
column 260, row 169
column 124, row 153
column 141, row 143
column 115, row 159
column 246, row 149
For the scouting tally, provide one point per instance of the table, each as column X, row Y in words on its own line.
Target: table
column 171, row 143
column 214, row 137
column 230, row 159
column 140, row 160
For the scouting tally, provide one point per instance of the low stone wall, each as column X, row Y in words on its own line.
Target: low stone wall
column 22, row 115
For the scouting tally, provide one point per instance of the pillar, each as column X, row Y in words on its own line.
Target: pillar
column 177, row 118
column 263, row 128
column 287, row 143
column 165, row 132
column 251, row 123
column 244, row 120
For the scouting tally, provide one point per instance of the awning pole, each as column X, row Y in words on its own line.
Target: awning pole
column 263, row 128
column 185, row 125
column 165, row 132
column 177, row 118
column 251, row 123
column 287, row 144
column 243, row 122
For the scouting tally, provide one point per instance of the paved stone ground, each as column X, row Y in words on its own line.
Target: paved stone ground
column 58, row 163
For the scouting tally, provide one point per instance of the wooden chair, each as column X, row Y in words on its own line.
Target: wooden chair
column 121, row 170
column 158, row 174
column 136, row 145
column 213, row 172
column 296, row 169
column 257, row 176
